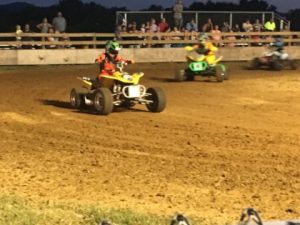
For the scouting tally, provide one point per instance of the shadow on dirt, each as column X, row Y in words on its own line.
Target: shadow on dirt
column 56, row 103
column 163, row 79
column 88, row 109
column 172, row 80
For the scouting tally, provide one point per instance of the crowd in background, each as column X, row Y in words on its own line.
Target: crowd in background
column 186, row 30
column 57, row 26
column 191, row 30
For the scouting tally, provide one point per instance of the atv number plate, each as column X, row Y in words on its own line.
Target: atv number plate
column 134, row 91
column 198, row 66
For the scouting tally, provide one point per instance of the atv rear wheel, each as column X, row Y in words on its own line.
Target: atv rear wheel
column 255, row 64
column 180, row 75
column 77, row 99
column 103, row 101
column 275, row 65
column 158, row 98
column 292, row 65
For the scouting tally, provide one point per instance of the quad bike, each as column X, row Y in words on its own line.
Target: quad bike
column 118, row 90
column 198, row 66
column 273, row 60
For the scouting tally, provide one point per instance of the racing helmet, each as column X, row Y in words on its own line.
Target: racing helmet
column 203, row 38
column 279, row 43
column 112, row 47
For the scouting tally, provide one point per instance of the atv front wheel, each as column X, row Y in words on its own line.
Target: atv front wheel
column 219, row 73
column 128, row 104
column 225, row 71
column 103, row 101
column 158, row 99
column 77, row 99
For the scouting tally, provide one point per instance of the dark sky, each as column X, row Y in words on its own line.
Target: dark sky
column 282, row 5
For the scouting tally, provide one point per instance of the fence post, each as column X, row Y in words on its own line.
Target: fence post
column 281, row 25
column 117, row 19
column 197, row 20
column 230, row 20
column 94, row 39
column 125, row 19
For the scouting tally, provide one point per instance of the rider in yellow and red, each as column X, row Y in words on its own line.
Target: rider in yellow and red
column 107, row 61
column 109, row 58
column 207, row 48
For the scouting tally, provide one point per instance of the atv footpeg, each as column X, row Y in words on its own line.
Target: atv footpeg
column 86, row 78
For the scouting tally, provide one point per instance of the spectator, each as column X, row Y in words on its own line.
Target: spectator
column 153, row 26
column 167, row 38
column 208, row 26
column 191, row 26
column 247, row 26
column 270, row 25
column 257, row 26
column 142, row 31
column 176, row 31
column 236, row 28
column 143, row 28
column 19, row 33
column 216, row 35
column 163, row 26
column 44, row 26
column 132, row 27
column 27, row 30
column 123, row 29
column 59, row 23
column 186, row 33
column 51, row 38
column 177, row 10
column 231, row 40
column 118, row 31
column 226, row 27
column 147, row 27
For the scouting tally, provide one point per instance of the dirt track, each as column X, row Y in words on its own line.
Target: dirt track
column 216, row 149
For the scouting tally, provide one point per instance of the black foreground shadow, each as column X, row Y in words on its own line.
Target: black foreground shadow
column 173, row 80
column 88, row 109
column 56, row 103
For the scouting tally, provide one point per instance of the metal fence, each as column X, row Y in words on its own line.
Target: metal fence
column 218, row 17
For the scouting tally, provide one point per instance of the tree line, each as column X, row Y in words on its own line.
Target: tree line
column 92, row 17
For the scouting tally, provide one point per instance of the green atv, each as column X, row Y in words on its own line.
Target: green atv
column 198, row 66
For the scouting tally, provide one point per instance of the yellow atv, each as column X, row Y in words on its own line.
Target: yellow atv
column 118, row 90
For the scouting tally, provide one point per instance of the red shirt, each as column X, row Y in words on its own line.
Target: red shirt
column 163, row 26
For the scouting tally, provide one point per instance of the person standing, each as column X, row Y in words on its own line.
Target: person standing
column 191, row 26
column 270, row 25
column 59, row 23
column 27, row 30
column 177, row 11
column 44, row 26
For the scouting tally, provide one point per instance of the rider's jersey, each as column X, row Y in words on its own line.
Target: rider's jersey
column 107, row 63
column 207, row 48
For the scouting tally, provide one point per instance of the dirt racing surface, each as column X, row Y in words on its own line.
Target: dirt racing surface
column 216, row 149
